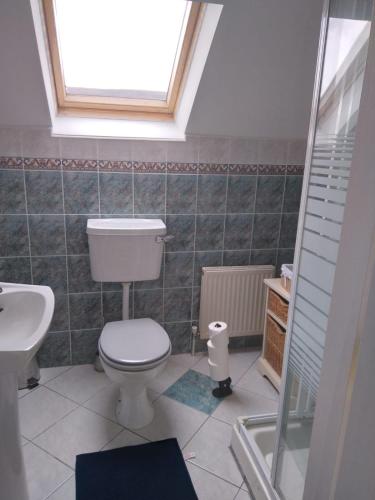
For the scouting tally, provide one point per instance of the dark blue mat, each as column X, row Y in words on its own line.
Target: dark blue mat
column 152, row 471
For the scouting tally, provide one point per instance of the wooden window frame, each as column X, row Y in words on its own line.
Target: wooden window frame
column 122, row 107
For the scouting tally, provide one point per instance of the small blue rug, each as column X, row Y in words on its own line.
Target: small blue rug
column 194, row 389
column 152, row 471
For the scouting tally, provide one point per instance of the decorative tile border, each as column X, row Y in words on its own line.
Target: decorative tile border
column 182, row 168
column 11, row 162
column 80, row 165
column 212, row 168
column 115, row 166
column 239, row 169
column 149, row 167
column 295, row 169
column 42, row 163
column 271, row 169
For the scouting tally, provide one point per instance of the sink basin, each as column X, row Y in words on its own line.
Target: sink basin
column 25, row 315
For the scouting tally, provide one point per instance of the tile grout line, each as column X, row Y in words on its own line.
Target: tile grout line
column 27, row 211
column 194, row 255
column 281, row 218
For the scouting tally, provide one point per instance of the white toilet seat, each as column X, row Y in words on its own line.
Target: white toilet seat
column 134, row 345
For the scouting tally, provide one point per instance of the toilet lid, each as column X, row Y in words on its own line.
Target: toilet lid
column 134, row 342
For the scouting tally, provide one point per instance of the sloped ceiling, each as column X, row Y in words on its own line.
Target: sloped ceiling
column 257, row 82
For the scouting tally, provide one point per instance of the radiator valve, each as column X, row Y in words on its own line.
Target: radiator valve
column 218, row 358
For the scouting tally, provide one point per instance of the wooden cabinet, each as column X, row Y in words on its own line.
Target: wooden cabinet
column 270, row 362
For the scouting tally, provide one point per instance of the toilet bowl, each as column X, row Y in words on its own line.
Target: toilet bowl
column 133, row 352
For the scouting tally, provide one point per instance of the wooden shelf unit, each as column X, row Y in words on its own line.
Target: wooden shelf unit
column 274, row 327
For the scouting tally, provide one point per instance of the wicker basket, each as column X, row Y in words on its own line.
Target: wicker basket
column 274, row 345
column 278, row 306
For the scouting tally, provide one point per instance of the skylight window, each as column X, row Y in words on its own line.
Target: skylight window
column 120, row 56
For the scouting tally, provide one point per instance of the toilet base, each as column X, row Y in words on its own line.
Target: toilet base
column 136, row 411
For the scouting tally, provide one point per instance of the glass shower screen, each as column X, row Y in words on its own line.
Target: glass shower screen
column 337, row 98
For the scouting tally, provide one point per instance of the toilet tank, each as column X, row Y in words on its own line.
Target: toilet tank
column 123, row 250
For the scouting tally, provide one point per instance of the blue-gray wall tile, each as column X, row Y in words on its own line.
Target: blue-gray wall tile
column 84, row 346
column 266, row 230
column 241, row 193
column 12, row 192
column 211, row 194
column 293, row 190
column 60, row 320
column 47, row 234
column 50, row 271
column 148, row 304
column 182, row 227
column 288, row 230
column 270, row 191
column 180, row 335
column 79, row 274
column 177, row 304
column 181, row 194
column 112, row 306
column 238, row 231
column 15, row 270
column 81, row 192
column 76, row 237
column 209, row 234
column 44, row 192
column 178, row 269
column 85, row 311
column 116, row 193
column 196, row 303
column 236, row 257
column 55, row 350
column 149, row 193
column 263, row 257
column 205, row 259
column 284, row 256
column 13, row 236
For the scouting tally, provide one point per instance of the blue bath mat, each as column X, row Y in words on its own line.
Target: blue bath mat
column 194, row 389
column 152, row 471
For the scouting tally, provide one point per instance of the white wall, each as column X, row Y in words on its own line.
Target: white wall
column 257, row 82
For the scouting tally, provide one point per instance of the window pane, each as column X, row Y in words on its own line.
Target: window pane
column 120, row 45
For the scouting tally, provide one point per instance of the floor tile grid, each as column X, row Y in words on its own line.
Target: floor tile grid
column 208, row 471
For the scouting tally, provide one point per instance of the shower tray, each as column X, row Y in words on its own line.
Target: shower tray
column 253, row 444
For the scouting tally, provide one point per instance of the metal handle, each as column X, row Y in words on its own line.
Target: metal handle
column 164, row 239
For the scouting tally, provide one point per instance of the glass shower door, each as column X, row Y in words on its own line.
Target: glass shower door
column 345, row 35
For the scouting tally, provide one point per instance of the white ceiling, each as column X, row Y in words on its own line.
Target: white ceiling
column 257, row 82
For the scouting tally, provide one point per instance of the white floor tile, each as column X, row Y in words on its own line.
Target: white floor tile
column 43, row 473
column 239, row 363
column 79, row 383
column 24, row 392
column 65, row 492
column 243, row 403
column 40, row 409
column 82, row 431
column 243, row 495
column 211, row 446
column 253, row 381
column 125, row 438
column 47, row 374
column 210, row 487
column 186, row 359
column 173, row 419
column 104, row 402
column 172, row 372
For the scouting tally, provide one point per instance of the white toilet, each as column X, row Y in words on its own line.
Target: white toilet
column 132, row 351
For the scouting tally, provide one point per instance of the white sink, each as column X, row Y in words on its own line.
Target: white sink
column 25, row 314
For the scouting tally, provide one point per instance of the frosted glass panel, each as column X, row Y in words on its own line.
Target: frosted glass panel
column 329, row 176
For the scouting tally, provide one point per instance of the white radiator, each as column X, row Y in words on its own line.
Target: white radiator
column 235, row 295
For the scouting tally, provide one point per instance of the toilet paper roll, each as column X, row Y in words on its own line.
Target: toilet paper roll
column 217, row 327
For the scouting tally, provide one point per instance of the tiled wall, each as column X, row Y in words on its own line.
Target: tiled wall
column 226, row 201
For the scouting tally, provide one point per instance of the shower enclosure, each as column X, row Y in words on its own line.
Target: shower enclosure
column 273, row 450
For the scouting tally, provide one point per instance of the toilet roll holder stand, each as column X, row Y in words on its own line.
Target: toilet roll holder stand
column 218, row 359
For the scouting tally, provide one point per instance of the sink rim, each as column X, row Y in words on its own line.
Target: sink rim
column 30, row 343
